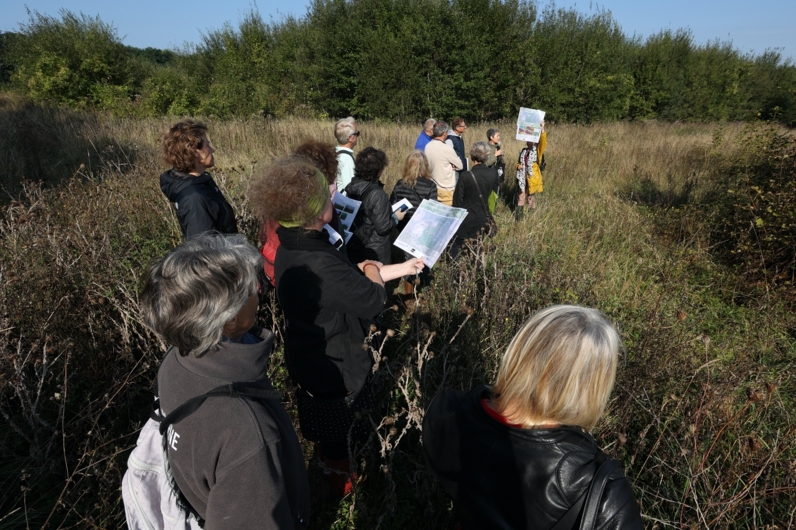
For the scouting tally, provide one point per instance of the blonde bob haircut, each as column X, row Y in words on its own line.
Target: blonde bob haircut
column 559, row 368
column 416, row 165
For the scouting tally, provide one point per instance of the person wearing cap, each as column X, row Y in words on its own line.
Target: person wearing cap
column 329, row 303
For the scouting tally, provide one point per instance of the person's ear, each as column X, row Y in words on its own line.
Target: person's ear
column 230, row 326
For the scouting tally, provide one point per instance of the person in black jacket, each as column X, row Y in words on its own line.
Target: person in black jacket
column 415, row 186
column 375, row 219
column 200, row 205
column 518, row 454
column 328, row 302
column 476, row 192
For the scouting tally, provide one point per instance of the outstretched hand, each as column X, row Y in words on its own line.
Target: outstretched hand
column 414, row 266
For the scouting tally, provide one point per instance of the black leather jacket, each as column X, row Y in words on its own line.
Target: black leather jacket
column 510, row 478
column 423, row 189
column 371, row 239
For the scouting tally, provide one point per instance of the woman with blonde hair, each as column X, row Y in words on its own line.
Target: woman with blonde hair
column 518, row 454
column 415, row 184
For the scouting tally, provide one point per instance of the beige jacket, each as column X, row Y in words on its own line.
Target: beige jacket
column 442, row 160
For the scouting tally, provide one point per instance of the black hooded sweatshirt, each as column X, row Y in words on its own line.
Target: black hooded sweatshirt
column 200, row 205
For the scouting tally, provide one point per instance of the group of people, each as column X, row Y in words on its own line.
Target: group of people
column 513, row 455
column 447, row 171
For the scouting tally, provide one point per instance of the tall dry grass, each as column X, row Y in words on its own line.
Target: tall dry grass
column 701, row 417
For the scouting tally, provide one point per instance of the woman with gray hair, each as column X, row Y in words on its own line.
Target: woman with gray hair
column 518, row 454
column 476, row 191
column 236, row 461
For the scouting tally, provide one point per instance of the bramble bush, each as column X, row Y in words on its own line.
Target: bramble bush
column 701, row 417
column 756, row 220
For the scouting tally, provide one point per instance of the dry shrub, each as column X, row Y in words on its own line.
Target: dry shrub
column 701, row 418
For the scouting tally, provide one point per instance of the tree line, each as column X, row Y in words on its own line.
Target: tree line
column 403, row 60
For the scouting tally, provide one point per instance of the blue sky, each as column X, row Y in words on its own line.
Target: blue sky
column 752, row 26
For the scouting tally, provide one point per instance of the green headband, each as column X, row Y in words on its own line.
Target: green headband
column 315, row 203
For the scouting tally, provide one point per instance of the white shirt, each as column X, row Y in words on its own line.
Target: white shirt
column 345, row 167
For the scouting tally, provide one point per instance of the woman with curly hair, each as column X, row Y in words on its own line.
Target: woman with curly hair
column 375, row 219
column 200, row 205
column 328, row 304
column 325, row 159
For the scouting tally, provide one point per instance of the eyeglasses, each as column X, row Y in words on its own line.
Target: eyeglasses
column 354, row 134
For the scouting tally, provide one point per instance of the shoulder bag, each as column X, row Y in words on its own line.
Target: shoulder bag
column 491, row 225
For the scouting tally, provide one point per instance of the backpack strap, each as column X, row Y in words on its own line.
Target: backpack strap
column 245, row 390
column 589, row 518
column 591, row 499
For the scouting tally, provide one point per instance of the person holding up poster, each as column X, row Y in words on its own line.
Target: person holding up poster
column 529, row 176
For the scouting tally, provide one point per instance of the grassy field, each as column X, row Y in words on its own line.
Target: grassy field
column 702, row 417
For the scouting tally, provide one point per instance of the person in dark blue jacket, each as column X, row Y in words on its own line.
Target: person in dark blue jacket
column 200, row 205
column 455, row 140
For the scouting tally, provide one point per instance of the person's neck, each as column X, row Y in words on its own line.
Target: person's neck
column 348, row 146
column 317, row 225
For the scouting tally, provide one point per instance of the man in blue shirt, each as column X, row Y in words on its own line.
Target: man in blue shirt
column 425, row 134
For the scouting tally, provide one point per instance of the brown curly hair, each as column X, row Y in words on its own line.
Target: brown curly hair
column 180, row 143
column 283, row 190
column 322, row 155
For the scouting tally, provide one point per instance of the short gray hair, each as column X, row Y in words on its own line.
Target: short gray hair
column 440, row 128
column 490, row 133
column 480, row 152
column 343, row 129
column 429, row 124
column 189, row 295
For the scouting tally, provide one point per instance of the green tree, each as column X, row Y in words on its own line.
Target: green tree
column 77, row 59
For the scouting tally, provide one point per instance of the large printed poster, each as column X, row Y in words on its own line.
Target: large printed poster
column 430, row 230
column 529, row 124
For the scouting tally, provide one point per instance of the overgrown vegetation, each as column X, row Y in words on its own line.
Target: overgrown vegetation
column 404, row 60
column 702, row 415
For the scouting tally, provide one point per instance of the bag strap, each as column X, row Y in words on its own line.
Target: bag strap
column 245, row 390
column 596, row 492
column 478, row 189
column 591, row 499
